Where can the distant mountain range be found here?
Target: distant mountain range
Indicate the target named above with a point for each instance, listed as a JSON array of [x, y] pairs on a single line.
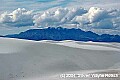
[[59, 34]]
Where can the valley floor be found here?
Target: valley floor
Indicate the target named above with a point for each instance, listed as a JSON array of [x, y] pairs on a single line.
[[47, 60]]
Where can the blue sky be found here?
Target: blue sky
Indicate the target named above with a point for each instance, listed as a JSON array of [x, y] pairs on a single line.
[[42, 5], [9, 5]]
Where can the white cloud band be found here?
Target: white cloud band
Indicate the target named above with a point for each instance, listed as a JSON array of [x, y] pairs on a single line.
[[94, 18]]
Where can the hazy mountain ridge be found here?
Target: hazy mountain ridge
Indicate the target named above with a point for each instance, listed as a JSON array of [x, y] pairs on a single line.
[[59, 34]]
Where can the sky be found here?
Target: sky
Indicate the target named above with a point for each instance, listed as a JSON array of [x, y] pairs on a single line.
[[9, 5], [20, 15]]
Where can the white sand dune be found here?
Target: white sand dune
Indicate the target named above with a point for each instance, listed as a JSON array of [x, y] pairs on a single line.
[[46, 60]]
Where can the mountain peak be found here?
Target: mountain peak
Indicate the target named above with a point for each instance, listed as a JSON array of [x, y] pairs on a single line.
[[60, 33]]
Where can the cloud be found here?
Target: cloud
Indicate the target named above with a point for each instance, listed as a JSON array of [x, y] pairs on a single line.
[[93, 19], [19, 17], [94, 14], [57, 17]]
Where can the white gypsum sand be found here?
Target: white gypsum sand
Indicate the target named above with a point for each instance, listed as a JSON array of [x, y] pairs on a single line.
[[46, 60]]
